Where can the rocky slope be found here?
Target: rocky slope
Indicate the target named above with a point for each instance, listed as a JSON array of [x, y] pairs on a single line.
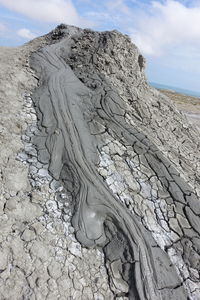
[[100, 197], [189, 105]]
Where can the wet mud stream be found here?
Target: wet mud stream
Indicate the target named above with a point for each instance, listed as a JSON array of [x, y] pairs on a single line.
[[82, 116]]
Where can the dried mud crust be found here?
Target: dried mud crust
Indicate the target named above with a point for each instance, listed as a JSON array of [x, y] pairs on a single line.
[[128, 160], [39, 255], [189, 105]]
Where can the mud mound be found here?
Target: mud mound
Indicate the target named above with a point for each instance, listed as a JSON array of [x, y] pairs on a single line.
[[113, 175]]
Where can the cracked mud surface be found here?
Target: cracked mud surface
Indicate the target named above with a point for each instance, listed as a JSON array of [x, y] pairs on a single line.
[[187, 104], [39, 255], [103, 199]]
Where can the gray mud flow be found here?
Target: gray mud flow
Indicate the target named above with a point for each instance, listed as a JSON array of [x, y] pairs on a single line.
[[103, 134]]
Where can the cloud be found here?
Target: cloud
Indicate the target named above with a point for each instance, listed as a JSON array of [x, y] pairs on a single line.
[[117, 4], [167, 26], [50, 11], [167, 32], [3, 28], [156, 27], [26, 33]]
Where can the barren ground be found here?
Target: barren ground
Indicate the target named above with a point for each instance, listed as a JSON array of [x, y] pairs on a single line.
[[187, 104], [40, 258]]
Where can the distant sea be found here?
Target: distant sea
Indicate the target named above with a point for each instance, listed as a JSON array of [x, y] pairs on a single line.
[[175, 89]]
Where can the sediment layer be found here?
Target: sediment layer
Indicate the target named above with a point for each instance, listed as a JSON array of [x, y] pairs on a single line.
[[127, 159]]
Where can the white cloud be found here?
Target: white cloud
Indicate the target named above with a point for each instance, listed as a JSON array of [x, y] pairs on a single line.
[[157, 27], [51, 11], [166, 31], [117, 4], [3, 28], [26, 33], [166, 26]]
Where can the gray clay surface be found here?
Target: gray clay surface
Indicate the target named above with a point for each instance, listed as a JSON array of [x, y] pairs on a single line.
[[99, 176], [122, 153]]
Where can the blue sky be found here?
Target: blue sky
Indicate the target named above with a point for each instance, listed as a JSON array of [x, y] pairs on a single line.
[[167, 32]]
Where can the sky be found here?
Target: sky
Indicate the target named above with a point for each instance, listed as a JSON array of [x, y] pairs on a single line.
[[167, 32]]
